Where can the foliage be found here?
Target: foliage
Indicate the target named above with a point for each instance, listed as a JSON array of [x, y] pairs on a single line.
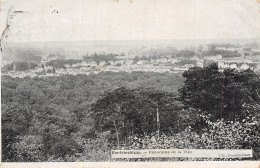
[[118, 64], [221, 95], [97, 149], [83, 117], [255, 53], [218, 135], [15, 121], [29, 148], [136, 59], [224, 53], [100, 57], [20, 66], [54, 109], [126, 111], [224, 45], [60, 63], [183, 62], [185, 53]]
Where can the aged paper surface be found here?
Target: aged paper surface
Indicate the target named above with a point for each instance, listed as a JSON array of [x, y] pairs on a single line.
[[128, 83]]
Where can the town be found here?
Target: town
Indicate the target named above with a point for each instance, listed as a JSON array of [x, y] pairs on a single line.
[[167, 59]]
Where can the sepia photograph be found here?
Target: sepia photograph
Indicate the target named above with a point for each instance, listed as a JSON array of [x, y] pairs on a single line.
[[130, 81]]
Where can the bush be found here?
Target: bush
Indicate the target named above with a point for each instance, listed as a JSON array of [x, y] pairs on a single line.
[[218, 135], [29, 149], [95, 149]]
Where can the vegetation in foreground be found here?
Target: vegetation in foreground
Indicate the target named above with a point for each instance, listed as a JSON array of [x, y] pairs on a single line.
[[83, 117]]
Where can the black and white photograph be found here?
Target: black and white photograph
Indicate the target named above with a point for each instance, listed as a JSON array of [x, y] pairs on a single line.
[[130, 81]]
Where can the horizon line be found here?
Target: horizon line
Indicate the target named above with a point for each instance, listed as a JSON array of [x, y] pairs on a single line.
[[247, 38]]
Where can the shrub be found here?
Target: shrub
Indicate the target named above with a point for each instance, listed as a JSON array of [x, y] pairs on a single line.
[[29, 149], [218, 135]]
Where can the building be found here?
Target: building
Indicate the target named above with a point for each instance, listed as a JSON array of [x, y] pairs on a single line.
[[233, 66], [244, 67]]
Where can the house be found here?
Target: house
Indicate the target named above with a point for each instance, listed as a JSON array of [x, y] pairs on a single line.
[[36, 70], [162, 60], [222, 65], [129, 61], [219, 57], [233, 66], [102, 64], [119, 62], [214, 58], [179, 68], [244, 66], [48, 68], [84, 69], [114, 69], [200, 63], [194, 58], [111, 62], [91, 63], [76, 65], [238, 60], [105, 68], [172, 60], [153, 61], [140, 62], [67, 65], [83, 63], [188, 65]]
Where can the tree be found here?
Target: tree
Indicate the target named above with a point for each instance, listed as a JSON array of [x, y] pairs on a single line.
[[161, 102], [67, 108], [101, 57], [20, 66], [185, 53], [109, 113], [221, 95], [135, 112], [16, 120], [136, 59]]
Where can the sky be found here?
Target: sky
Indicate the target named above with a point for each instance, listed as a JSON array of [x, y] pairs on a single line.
[[81, 20]]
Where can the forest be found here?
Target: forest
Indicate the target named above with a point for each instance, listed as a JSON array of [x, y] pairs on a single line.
[[83, 117], [20, 66]]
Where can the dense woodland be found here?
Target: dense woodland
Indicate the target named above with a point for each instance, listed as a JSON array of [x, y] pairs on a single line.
[[83, 117], [20, 66], [100, 57]]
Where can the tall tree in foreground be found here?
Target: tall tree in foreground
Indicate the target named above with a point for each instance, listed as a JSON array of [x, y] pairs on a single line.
[[220, 94], [126, 112], [109, 111]]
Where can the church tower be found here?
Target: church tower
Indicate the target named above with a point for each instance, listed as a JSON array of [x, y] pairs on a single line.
[[14, 66]]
